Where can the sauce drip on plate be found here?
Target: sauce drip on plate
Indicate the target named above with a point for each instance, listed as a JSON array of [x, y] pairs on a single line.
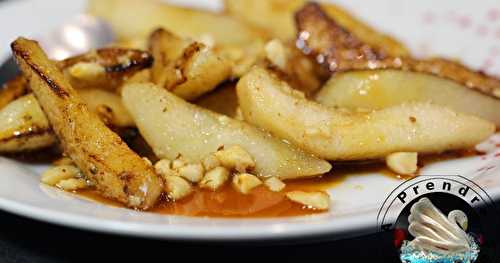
[[261, 202]]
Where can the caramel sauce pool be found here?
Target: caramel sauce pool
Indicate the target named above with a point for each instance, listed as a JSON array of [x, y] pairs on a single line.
[[261, 202], [227, 202]]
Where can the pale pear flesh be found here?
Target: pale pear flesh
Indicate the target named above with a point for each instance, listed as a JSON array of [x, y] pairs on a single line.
[[174, 127], [335, 134], [378, 89]]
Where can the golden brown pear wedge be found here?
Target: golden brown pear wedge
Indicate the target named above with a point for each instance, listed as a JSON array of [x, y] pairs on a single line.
[[103, 157], [105, 68], [378, 89], [24, 127], [13, 89], [276, 16], [339, 50], [334, 134], [131, 19], [188, 69], [173, 127], [108, 106]]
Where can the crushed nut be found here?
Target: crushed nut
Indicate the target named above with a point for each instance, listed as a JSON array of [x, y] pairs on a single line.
[[210, 162], [274, 184], [404, 163], [235, 157], [215, 178], [134, 200], [86, 70], [312, 200], [164, 167], [244, 182], [192, 172], [72, 184], [177, 187], [276, 53], [178, 163], [58, 173]]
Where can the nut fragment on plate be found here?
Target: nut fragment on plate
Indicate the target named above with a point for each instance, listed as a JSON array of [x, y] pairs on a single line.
[[210, 162], [164, 167], [245, 182], [235, 157], [215, 178], [86, 70], [276, 53], [312, 200], [72, 184], [177, 187], [55, 174], [274, 184], [178, 163], [404, 163], [192, 172]]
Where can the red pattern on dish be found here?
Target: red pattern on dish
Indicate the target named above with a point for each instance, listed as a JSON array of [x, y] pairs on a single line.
[[485, 26]]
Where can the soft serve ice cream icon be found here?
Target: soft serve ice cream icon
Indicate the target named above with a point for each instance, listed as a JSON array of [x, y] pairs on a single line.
[[438, 238]]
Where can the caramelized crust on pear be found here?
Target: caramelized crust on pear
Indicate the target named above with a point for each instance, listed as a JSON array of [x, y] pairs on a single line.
[[101, 155], [339, 50]]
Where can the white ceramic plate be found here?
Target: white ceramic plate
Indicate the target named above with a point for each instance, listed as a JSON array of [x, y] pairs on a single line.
[[459, 29]]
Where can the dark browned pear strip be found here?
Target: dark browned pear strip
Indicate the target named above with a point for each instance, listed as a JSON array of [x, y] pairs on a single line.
[[103, 157], [339, 50]]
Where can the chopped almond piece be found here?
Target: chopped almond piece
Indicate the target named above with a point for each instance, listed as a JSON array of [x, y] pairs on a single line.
[[192, 172], [58, 173], [274, 184], [404, 163], [72, 184], [177, 187], [86, 70], [164, 167], [313, 200], [215, 178], [235, 157], [210, 162], [245, 182], [276, 53], [178, 163]]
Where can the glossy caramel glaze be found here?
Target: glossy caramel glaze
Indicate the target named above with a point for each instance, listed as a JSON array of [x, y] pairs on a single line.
[[261, 202]]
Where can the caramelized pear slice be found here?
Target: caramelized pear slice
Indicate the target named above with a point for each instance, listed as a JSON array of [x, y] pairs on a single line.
[[276, 16], [339, 50], [13, 89], [101, 155], [24, 127], [335, 134], [378, 89], [188, 69], [132, 19], [174, 127]]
